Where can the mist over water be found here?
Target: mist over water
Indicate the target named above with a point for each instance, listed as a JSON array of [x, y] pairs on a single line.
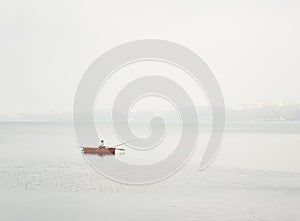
[[43, 160], [253, 50]]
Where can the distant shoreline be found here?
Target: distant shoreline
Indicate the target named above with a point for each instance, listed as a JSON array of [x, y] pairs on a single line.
[[248, 127]]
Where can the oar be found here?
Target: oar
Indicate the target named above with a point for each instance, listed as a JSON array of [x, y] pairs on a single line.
[[117, 145], [124, 144]]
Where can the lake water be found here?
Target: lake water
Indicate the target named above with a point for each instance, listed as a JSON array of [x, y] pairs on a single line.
[[256, 176]]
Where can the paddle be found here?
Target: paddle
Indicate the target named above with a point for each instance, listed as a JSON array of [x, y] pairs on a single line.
[[124, 144], [118, 145]]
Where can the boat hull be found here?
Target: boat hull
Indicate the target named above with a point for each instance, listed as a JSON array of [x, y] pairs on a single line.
[[99, 151]]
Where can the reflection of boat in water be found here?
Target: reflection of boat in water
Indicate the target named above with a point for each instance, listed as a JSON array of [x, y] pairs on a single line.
[[100, 151]]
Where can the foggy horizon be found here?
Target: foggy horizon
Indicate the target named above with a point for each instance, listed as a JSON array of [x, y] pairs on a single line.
[[252, 48], [149, 110]]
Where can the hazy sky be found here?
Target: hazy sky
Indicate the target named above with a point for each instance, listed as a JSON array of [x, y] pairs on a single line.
[[45, 46]]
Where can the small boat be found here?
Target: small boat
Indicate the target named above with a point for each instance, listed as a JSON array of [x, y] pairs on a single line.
[[100, 151]]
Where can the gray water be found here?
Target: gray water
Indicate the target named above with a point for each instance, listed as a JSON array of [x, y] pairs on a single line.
[[256, 176]]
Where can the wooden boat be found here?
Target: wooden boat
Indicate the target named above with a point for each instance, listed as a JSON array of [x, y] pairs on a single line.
[[100, 151]]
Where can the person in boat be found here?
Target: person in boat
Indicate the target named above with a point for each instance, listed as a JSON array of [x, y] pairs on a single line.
[[101, 144]]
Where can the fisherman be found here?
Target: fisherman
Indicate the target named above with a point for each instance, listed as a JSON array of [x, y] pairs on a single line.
[[101, 144]]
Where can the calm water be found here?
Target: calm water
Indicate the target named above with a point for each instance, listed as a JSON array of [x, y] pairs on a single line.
[[256, 176]]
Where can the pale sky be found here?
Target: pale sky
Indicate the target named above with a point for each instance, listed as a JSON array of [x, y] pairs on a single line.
[[45, 46]]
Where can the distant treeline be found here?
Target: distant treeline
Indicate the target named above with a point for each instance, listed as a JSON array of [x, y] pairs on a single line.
[[255, 113], [265, 113]]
